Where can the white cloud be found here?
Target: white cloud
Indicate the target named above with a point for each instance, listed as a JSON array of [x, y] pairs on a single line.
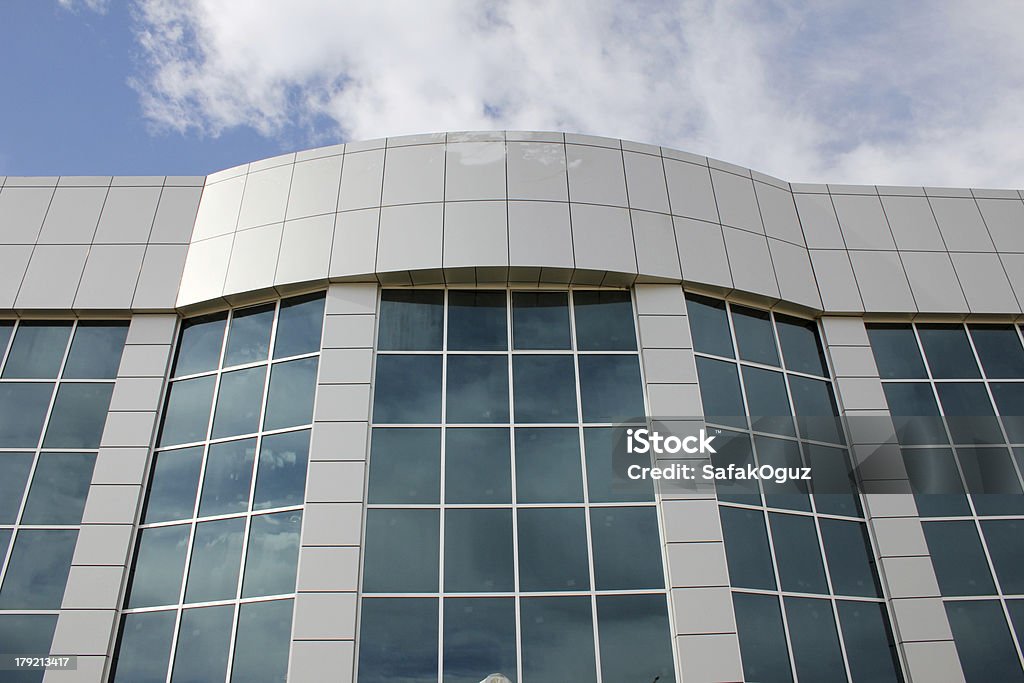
[[840, 91], [98, 6]]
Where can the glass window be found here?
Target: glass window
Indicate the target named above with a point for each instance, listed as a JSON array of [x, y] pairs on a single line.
[[187, 415], [851, 563], [203, 640], [610, 389], [754, 335], [762, 638], [96, 351], [411, 320], [249, 337], [935, 480], [733, 448], [200, 344], [790, 494], [263, 641], [25, 634], [173, 484], [868, 640], [1005, 540], [604, 321], [797, 553], [477, 466], [768, 401], [552, 550], [558, 640], [14, 471], [896, 352], [948, 351], [405, 465], [159, 566], [6, 327], [401, 551], [548, 465], [22, 411], [915, 414], [816, 409], [635, 642], [969, 413], [479, 639], [239, 400], [1010, 402], [958, 558], [832, 480], [272, 555], [476, 321], [983, 641], [540, 320], [812, 632], [603, 445], [478, 550], [407, 389], [801, 348], [37, 572], [78, 416], [1000, 351], [709, 326], [627, 548], [281, 474], [59, 487], [720, 392], [227, 478], [216, 556], [37, 350], [477, 389], [144, 648], [5, 543], [291, 393], [746, 548], [398, 640], [299, 326], [992, 480], [544, 388]]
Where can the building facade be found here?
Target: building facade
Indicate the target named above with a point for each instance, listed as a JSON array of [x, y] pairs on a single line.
[[350, 414]]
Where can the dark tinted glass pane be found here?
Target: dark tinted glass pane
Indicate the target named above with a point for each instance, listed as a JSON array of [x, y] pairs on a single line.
[[1010, 403], [5, 542], [733, 448], [26, 634], [548, 466], [477, 389], [762, 638], [476, 321], [969, 413], [411, 320], [791, 494], [896, 352], [159, 566], [604, 321], [203, 640], [78, 416], [610, 389], [262, 643], [540, 320], [812, 631], [1016, 610], [38, 569], [479, 639], [299, 325], [754, 335], [187, 415], [1000, 351], [958, 558], [768, 401], [405, 465], [601, 445], [545, 388], [227, 478], [290, 398], [22, 411], [200, 344], [281, 477], [6, 327], [815, 410], [407, 390], [915, 414], [627, 548], [216, 556], [14, 471], [59, 487], [37, 350], [709, 326], [746, 548], [553, 550], [477, 466], [249, 336], [801, 348], [272, 555], [1005, 540], [992, 480], [868, 640], [851, 562], [935, 480], [398, 640], [401, 551], [832, 480], [172, 487], [478, 550], [558, 640], [239, 401], [634, 635], [948, 351], [145, 648], [96, 351], [797, 553], [720, 392], [983, 641]]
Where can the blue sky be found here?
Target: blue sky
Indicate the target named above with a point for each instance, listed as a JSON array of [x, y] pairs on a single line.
[[821, 90]]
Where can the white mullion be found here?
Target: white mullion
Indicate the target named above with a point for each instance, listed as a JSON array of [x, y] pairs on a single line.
[[441, 499], [516, 588]]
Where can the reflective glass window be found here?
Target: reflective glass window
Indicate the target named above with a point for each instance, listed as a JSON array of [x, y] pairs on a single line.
[[915, 414], [477, 389], [37, 572], [6, 327], [272, 554], [553, 549], [200, 344], [14, 471], [754, 336], [203, 640], [187, 415], [791, 494], [299, 326], [544, 389], [768, 401], [747, 550], [405, 465], [479, 638], [558, 640], [227, 478], [249, 336], [868, 642], [816, 409], [983, 641], [851, 563], [627, 548], [1009, 399], [720, 392], [604, 321], [540, 320], [215, 560], [935, 480], [59, 487], [291, 393], [401, 551], [733, 448], [969, 412], [992, 480], [5, 542], [239, 400], [812, 633], [478, 466], [407, 389], [478, 550], [548, 465], [832, 481], [262, 642], [709, 326], [411, 320], [476, 321], [762, 638], [159, 566], [22, 411], [37, 350], [78, 415], [610, 388], [801, 348], [1000, 350], [398, 640], [96, 351], [144, 648], [173, 485], [281, 473], [958, 558], [797, 553], [1005, 541], [25, 634], [601, 445], [948, 351], [896, 352], [635, 643]]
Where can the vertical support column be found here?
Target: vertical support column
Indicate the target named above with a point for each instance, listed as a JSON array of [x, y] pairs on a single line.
[[324, 629], [922, 628], [88, 617], [703, 623]]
